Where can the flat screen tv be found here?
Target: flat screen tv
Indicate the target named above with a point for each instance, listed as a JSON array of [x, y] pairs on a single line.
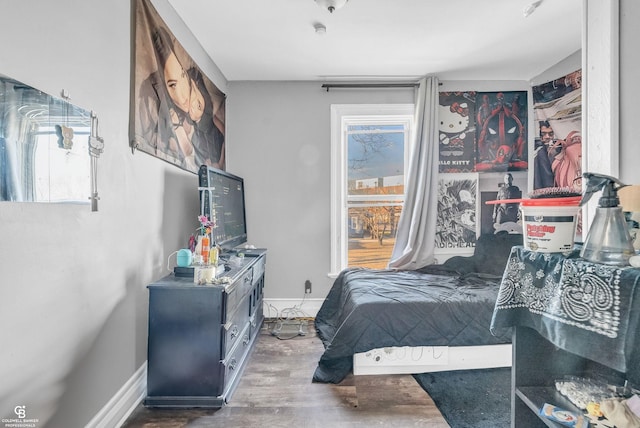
[[222, 200]]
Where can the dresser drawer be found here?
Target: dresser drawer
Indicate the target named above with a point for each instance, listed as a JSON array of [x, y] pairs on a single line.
[[235, 359], [232, 330], [258, 269], [256, 320], [235, 294]]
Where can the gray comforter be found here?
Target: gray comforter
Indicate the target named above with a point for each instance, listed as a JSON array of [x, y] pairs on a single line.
[[367, 309]]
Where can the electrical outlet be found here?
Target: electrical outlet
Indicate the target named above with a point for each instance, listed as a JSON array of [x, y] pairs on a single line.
[[307, 287]]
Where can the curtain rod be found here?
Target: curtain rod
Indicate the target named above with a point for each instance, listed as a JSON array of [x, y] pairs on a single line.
[[328, 86], [368, 85]]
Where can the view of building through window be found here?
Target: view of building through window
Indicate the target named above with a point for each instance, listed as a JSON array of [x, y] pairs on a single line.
[[376, 158]]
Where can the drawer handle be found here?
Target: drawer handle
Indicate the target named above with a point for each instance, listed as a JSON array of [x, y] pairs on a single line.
[[234, 331], [232, 364], [245, 340]]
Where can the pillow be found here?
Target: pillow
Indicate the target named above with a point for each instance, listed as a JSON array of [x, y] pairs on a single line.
[[492, 252], [489, 257]]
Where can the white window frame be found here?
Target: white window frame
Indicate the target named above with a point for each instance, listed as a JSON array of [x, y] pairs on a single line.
[[341, 114]]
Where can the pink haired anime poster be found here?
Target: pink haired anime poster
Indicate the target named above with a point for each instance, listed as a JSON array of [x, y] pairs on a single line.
[[456, 131], [557, 106], [501, 131]]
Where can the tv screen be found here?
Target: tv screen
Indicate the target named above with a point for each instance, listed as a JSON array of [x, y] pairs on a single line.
[[222, 200]]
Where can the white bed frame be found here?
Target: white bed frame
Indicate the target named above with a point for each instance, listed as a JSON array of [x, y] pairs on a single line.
[[424, 359]]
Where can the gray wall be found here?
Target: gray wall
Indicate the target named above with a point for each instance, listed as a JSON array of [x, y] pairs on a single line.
[[629, 92], [74, 302], [282, 132], [72, 284]]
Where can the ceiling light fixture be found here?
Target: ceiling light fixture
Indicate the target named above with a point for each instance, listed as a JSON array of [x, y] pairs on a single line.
[[531, 8], [331, 5]]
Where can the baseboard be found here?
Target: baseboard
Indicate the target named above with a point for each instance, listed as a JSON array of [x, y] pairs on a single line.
[[123, 403], [302, 307]]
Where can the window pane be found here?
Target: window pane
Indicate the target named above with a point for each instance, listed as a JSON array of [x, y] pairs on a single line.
[[368, 155], [375, 159], [372, 232]]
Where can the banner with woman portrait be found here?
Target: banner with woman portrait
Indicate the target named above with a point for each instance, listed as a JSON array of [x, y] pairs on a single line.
[[177, 113]]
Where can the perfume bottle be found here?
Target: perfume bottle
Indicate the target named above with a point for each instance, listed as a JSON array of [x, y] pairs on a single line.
[[205, 250]]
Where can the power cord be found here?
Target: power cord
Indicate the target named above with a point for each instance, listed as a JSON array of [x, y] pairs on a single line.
[[288, 316]]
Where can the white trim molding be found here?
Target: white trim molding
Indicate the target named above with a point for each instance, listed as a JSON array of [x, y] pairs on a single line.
[[123, 403], [600, 92]]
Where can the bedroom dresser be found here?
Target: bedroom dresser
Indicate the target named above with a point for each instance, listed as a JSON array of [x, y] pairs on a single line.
[[201, 336]]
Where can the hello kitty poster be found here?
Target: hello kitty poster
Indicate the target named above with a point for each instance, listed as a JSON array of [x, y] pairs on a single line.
[[456, 131]]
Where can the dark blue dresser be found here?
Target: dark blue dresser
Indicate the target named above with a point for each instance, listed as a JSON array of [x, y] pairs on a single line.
[[200, 336]]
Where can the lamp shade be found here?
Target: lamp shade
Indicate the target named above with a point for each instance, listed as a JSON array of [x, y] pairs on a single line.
[[630, 198]]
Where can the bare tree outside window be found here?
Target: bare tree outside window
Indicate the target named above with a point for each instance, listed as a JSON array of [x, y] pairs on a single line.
[[375, 171]]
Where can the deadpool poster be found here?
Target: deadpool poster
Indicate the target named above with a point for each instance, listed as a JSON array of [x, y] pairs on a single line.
[[501, 131]]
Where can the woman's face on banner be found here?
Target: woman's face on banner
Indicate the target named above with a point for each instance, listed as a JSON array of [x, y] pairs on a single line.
[[177, 81]]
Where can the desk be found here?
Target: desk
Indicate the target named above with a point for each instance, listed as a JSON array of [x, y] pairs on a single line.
[[568, 317]]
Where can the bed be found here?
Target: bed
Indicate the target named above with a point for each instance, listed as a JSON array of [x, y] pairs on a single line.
[[448, 305]]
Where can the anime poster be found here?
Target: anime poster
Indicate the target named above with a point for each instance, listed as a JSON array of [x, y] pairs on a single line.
[[456, 225], [177, 113], [456, 131], [501, 131], [557, 107]]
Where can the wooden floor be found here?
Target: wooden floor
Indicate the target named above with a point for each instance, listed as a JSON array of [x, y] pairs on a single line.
[[276, 391]]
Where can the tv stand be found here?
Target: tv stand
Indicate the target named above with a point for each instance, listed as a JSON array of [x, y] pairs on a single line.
[[201, 336]]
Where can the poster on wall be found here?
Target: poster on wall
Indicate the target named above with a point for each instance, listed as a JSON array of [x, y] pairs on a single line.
[[456, 131], [557, 107], [177, 113], [501, 131], [486, 212], [456, 223], [499, 217]]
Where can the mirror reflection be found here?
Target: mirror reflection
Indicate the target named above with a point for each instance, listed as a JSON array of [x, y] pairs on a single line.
[[44, 153]]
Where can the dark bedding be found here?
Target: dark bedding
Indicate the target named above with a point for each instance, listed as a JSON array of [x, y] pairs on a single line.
[[439, 305]]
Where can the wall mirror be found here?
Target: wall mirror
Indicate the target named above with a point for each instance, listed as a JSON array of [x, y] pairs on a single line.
[[45, 142]]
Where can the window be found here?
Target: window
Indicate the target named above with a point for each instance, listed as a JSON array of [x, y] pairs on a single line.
[[369, 154], [61, 175]]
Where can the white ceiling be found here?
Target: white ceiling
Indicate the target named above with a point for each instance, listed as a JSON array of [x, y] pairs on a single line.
[[384, 39]]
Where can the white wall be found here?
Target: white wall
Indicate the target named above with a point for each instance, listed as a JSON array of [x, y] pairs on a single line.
[[73, 282], [568, 65]]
